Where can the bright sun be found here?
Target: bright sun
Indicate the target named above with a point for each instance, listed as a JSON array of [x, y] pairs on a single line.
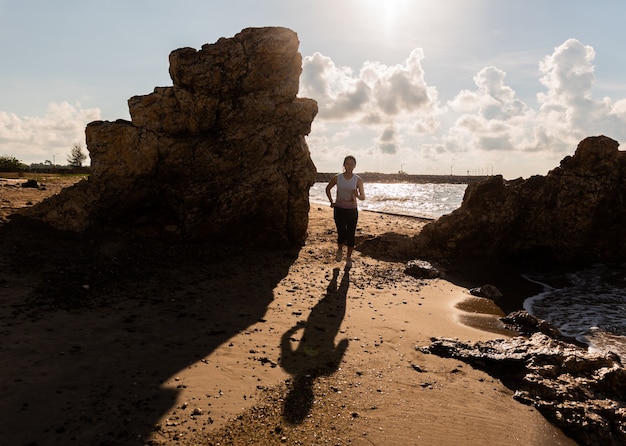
[[387, 8], [388, 12]]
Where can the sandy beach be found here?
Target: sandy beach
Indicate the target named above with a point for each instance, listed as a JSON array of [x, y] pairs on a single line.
[[110, 341]]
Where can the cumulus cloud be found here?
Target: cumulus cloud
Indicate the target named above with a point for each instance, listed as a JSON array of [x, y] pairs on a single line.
[[339, 94], [37, 139], [488, 121], [494, 119], [491, 116], [387, 141], [381, 97], [568, 73], [378, 90]]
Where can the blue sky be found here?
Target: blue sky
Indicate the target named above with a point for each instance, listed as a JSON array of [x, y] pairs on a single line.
[[461, 86]]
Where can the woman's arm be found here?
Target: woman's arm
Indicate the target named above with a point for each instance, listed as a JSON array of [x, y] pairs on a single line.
[[360, 191], [331, 184]]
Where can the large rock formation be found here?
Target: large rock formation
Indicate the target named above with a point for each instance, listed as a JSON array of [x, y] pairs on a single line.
[[575, 214], [221, 153]]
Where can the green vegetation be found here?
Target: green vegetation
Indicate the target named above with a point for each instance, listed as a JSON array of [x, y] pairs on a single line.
[[11, 167], [11, 164], [76, 157]]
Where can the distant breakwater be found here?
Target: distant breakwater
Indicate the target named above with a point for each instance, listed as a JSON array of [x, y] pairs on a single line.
[[373, 177]]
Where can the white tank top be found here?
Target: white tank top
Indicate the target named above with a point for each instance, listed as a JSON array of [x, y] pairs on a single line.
[[345, 188]]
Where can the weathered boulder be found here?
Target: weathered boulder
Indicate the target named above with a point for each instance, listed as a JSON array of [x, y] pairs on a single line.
[[581, 392], [574, 214], [220, 154]]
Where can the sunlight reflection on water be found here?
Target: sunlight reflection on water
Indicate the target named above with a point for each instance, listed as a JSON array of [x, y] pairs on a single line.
[[417, 200]]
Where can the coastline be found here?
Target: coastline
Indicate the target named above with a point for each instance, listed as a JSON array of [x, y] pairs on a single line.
[[249, 348]]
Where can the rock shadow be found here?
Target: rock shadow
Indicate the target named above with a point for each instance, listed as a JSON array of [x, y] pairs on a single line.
[[91, 327], [316, 353], [388, 247], [506, 275]]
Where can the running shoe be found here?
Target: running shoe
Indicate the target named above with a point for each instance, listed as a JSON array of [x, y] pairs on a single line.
[[339, 255]]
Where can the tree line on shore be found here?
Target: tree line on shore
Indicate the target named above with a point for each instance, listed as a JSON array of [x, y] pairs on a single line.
[[75, 159]]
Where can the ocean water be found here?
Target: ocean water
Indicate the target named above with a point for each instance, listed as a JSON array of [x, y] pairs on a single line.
[[412, 199], [589, 304]]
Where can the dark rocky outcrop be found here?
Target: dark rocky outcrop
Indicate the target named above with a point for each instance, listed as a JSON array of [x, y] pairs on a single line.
[[581, 392], [220, 154], [575, 214]]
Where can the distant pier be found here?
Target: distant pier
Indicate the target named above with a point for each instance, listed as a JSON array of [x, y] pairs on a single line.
[[372, 177]]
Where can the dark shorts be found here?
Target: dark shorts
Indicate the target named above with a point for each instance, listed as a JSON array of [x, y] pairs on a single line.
[[346, 220]]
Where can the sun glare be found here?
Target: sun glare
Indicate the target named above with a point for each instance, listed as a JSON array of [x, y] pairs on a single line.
[[387, 10], [389, 13]]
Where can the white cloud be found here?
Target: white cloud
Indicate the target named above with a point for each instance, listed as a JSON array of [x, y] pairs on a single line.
[[37, 139], [378, 95], [387, 141], [339, 95], [390, 101], [568, 73], [488, 124]]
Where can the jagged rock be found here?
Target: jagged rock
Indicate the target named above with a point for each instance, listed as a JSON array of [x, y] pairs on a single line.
[[220, 154], [421, 269], [581, 392], [487, 290], [525, 323], [574, 214]]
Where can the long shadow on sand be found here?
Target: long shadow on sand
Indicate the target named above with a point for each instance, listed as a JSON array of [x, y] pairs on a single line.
[[91, 328], [316, 354]]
